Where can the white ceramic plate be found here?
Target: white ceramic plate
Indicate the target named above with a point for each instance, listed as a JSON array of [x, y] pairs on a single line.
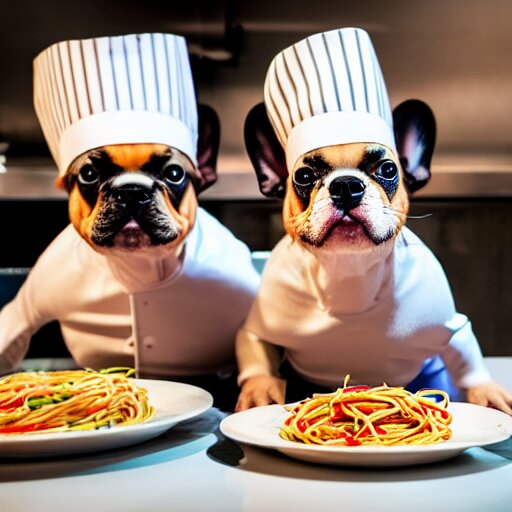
[[472, 426], [173, 402]]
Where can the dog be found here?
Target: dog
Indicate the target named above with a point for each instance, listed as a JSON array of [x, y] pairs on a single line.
[[140, 197], [350, 290], [142, 276]]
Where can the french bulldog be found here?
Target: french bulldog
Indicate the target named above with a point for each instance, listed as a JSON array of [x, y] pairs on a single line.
[[350, 290], [139, 197], [137, 267]]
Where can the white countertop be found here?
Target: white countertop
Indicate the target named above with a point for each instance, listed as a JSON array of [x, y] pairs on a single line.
[[193, 468]]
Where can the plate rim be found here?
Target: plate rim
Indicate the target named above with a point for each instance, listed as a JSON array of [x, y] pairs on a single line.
[[284, 445]]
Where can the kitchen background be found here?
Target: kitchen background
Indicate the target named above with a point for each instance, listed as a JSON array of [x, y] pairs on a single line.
[[454, 54]]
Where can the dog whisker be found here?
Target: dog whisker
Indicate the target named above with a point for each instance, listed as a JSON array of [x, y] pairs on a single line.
[[424, 216], [392, 211], [402, 215]]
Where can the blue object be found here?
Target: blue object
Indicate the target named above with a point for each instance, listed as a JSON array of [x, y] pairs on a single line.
[[11, 278], [434, 375]]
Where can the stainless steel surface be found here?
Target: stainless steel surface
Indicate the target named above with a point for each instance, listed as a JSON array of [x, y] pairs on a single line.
[[29, 183], [458, 178]]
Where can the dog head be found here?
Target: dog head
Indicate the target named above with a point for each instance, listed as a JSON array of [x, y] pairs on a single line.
[[350, 196], [140, 197]]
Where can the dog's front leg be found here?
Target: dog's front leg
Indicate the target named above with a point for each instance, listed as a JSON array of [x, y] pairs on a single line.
[[491, 394], [258, 364]]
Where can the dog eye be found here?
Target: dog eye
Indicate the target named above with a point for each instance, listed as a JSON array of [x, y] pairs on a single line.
[[174, 173], [387, 170], [88, 175], [304, 176]]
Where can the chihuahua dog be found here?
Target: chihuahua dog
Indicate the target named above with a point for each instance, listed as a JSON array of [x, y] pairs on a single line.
[[350, 290], [138, 266]]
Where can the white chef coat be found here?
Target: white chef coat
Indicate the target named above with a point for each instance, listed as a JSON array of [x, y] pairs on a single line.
[[182, 325], [394, 316]]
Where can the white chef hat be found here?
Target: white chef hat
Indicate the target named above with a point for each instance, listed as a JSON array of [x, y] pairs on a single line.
[[328, 89], [115, 90]]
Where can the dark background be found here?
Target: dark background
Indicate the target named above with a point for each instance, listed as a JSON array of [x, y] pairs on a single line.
[[453, 54], [471, 237]]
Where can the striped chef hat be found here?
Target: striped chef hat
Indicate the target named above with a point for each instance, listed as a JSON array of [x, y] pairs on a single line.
[[328, 89], [115, 90]]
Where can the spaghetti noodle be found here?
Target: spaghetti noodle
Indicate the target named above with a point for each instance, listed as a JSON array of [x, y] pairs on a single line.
[[58, 401], [358, 415]]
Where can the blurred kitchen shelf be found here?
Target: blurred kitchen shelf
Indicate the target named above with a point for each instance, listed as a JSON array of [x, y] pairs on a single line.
[[452, 177]]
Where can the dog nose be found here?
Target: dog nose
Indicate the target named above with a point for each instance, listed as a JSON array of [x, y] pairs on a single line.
[[346, 191], [133, 197]]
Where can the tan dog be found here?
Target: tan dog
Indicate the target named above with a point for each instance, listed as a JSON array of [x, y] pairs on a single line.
[[132, 197], [350, 290], [346, 194], [138, 266], [142, 197], [142, 275]]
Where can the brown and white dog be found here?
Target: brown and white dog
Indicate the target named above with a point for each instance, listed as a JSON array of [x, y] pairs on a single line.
[[350, 290], [138, 266], [140, 197]]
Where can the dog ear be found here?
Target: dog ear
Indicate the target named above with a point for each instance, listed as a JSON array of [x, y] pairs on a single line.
[[415, 135], [266, 153], [208, 141]]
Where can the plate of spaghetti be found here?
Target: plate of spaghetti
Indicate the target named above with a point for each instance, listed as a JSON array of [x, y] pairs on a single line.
[[81, 411], [370, 426]]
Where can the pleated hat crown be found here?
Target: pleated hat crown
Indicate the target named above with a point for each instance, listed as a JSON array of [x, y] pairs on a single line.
[[115, 90], [328, 89]]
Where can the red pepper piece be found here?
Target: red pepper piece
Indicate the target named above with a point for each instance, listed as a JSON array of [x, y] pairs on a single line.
[[356, 388], [10, 406], [351, 441], [21, 429], [301, 425]]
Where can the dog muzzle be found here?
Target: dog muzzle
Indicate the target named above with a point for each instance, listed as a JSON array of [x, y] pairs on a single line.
[[131, 193], [346, 192], [134, 214]]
